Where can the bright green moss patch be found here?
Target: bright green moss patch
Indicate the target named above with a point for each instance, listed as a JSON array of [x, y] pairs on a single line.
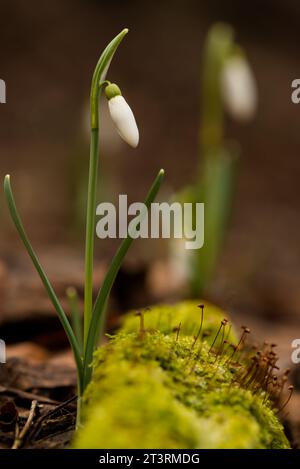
[[164, 390], [137, 413], [166, 317]]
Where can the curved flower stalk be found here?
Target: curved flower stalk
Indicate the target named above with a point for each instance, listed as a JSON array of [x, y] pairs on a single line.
[[228, 84], [83, 343], [96, 88]]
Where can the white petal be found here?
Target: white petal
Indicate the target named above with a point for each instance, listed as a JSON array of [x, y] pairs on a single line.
[[239, 89], [124, 120]]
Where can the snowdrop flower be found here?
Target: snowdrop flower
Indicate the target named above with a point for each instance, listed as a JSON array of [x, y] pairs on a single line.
[[122, 116], [239, 88]]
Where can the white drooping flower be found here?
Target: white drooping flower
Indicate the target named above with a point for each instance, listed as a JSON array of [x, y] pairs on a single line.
[[238, 88], [122, 115]]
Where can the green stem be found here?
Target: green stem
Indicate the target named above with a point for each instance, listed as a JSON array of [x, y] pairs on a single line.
[[78, 413], [214, 169], [96, 87], [90, 225], [98, 317], [217, 192], [218, 46], [61, 314], [75, 315]]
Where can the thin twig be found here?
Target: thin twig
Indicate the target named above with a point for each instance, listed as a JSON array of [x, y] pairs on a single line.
[[27, 395], [36, 430], [20, 436]]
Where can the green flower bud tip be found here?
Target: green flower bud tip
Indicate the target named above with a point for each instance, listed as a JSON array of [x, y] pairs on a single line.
[[112, 90]]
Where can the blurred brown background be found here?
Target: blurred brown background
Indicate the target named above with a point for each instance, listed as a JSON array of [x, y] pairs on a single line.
[[47, 54]]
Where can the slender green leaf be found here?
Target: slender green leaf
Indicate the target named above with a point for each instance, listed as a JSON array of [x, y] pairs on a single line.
[[216, 191], [61, 314], [73, 300], [98, 317]]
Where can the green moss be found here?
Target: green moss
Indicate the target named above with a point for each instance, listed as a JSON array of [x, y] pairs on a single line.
[[165, 317], [225, 429], [157, 390], [131, 415]]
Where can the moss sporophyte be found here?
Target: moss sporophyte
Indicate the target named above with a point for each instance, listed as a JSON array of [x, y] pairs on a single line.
[[179, 377], [84, 343]]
